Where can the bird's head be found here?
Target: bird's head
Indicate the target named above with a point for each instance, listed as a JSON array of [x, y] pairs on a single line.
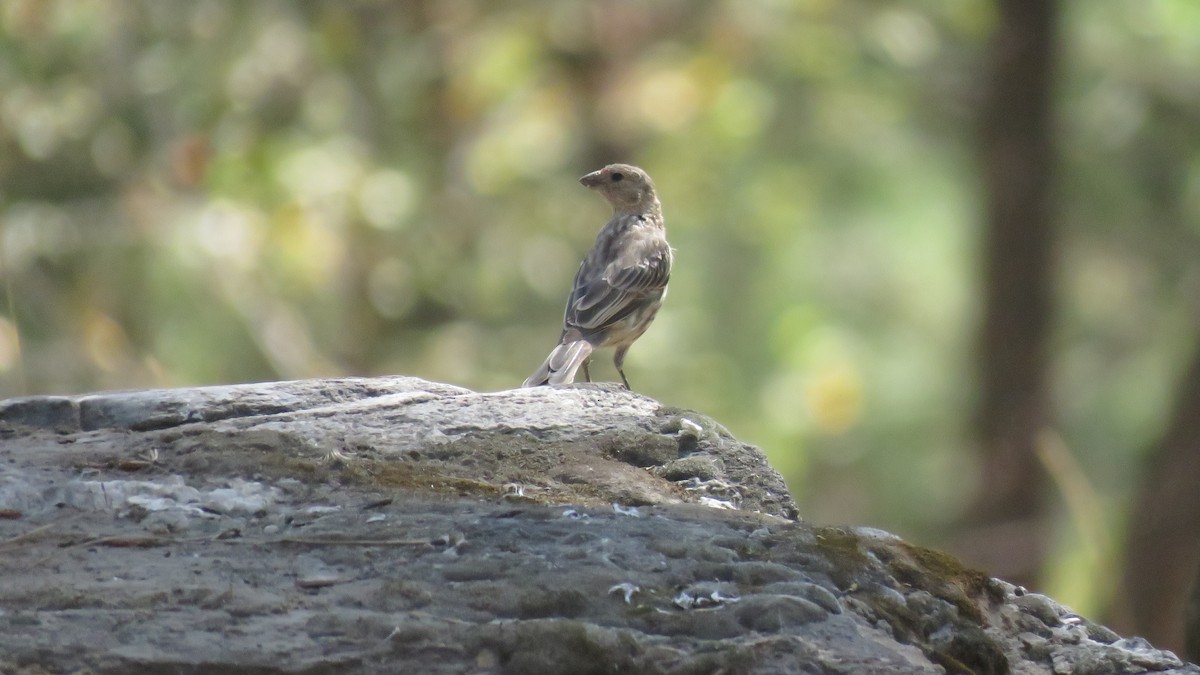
[[626, 187]]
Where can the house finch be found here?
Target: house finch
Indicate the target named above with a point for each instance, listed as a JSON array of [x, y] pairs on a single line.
[[621, 283]]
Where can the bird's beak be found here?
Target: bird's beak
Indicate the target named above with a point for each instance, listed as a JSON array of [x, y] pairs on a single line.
[[592, 179]]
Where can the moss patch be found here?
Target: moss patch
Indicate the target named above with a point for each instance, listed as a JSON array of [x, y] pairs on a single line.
[[843, 550], [943, 576]]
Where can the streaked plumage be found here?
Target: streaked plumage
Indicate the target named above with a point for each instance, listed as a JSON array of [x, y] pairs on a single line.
[[621, 283]]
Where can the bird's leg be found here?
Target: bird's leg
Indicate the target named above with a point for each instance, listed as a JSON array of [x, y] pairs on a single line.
[[587, 374], [619, 362]]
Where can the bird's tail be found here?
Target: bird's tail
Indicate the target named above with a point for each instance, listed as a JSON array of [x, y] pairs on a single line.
[[560, 366]]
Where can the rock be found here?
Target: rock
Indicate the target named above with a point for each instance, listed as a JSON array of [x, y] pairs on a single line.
[[396, 525]]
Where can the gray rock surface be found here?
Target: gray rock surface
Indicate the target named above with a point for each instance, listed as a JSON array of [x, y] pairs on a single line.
[[397, 525]]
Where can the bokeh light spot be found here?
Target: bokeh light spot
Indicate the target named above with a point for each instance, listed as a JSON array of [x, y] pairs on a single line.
[[387, 198]]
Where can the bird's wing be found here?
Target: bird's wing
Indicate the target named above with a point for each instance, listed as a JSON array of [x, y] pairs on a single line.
[[648, 268], [599, 300]]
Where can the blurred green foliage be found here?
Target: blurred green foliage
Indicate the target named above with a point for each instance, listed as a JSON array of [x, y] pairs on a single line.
[[215, 191]]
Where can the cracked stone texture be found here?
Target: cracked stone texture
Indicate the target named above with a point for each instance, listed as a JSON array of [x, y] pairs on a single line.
[[397, 525]]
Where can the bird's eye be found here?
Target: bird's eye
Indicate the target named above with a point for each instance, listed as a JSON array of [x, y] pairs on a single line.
[[618, 177]]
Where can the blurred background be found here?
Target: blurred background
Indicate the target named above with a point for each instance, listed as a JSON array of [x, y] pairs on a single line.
[[941, 260]]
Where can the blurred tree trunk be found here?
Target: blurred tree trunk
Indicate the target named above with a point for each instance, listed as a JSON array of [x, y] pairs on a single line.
[[1003, 532], [1162, 550]]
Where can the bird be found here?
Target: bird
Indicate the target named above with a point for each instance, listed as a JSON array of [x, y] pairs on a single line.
[[621, 282]]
